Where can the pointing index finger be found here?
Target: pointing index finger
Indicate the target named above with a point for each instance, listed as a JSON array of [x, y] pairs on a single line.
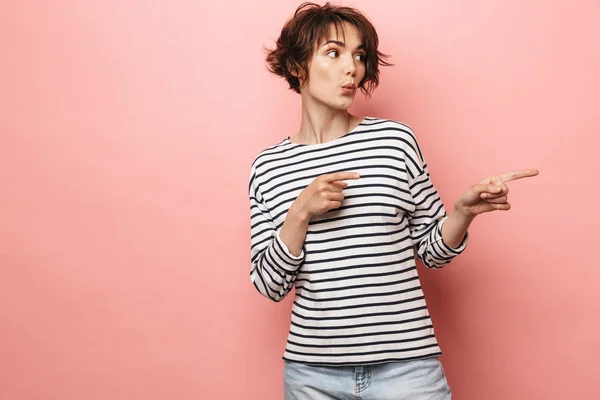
[[525, 173], [340, 176]]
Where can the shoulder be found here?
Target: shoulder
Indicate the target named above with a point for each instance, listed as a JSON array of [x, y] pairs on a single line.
[[401, 131], [269, 157], [386, 123]]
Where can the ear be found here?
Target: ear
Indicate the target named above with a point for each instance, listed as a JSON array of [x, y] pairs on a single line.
[[299, 75], [295, 73]]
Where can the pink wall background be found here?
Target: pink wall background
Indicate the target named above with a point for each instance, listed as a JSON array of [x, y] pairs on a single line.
[[126, 134]]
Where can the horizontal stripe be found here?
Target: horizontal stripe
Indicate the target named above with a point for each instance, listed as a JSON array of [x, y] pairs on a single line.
[[377, 360], [361, 353], [382, 342]]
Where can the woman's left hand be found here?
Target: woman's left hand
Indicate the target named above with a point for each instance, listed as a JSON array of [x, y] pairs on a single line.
[[490, 194]]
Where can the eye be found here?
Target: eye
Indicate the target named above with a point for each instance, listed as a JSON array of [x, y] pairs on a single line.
[[332, 52], [361, 57]]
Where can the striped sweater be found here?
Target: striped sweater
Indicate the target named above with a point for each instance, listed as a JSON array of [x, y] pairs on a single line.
[[358, 299]]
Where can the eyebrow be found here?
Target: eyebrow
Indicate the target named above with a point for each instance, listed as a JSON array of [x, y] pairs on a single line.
[[341, 44]]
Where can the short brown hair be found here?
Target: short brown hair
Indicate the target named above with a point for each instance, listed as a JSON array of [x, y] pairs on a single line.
[[309, 25]]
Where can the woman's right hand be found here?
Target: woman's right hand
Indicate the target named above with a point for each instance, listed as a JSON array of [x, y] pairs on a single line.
[[323, 194]]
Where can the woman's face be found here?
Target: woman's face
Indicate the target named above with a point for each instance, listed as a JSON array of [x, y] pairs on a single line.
[[337, 62]]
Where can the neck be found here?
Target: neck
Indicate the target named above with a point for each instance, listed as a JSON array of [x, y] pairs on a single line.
[[320, 124]]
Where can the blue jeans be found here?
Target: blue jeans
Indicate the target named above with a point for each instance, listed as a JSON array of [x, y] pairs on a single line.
[[411, 380]]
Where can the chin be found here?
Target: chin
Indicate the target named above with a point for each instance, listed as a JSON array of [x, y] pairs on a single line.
[[345, 105], [341, 104]]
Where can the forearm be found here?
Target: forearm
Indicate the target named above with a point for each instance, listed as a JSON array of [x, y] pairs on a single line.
[[455, 228], [276, 261], [293, 231]]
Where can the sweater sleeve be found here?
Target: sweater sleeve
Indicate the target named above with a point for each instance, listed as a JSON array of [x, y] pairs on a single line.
[[273, 268], [429, 213]]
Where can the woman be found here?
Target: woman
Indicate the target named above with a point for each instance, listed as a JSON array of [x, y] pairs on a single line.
[[340, 210]]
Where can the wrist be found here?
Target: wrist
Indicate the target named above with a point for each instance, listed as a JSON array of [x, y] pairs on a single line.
[[463, 213], [298, 214]]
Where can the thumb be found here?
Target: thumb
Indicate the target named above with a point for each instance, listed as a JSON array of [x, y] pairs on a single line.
[[486, 188]]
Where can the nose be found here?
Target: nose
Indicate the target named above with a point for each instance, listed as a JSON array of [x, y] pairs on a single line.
[[350, 67]]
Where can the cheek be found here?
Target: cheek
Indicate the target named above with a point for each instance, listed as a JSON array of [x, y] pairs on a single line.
[[323, 70], [361, 71]]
